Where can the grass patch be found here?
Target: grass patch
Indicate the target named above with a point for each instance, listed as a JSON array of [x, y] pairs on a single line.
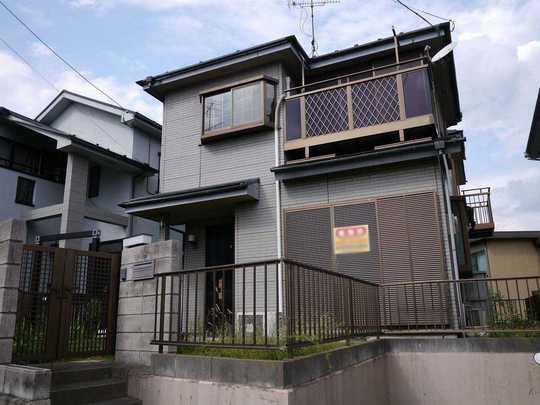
[[255, 354]]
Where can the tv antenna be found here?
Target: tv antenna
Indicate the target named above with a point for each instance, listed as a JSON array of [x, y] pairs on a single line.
[[311, 4]]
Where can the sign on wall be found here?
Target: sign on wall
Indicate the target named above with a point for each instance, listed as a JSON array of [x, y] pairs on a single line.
[[351, 239]]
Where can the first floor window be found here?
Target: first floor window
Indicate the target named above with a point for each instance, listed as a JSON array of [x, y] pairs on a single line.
[[25, 191]]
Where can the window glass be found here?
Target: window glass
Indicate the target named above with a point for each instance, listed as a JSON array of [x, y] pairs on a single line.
[[479, 262], [217, 112], [269, 102], [247, 104], [25, 159], [25, 191]]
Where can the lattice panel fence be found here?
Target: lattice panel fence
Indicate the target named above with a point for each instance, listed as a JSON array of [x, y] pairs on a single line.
[[326, 112], [375, 102]]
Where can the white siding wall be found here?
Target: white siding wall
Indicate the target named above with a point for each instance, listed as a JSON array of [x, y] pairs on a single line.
[[45, 193], [97, 127]]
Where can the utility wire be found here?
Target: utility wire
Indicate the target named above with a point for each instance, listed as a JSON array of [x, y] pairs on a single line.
[[413, 11], [26, 62], [23, 59], [57, 54]]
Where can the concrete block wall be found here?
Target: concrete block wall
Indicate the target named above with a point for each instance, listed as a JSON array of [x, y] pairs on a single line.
[[136, 304], [12, 237]]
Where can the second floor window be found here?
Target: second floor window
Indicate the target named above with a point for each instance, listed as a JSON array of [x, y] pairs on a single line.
[[240, 107]]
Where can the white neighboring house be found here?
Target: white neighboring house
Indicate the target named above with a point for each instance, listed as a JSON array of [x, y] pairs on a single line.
[[67, 170]]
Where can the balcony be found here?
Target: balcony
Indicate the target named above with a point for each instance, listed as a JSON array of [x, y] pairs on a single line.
[[394, 101], [478, 202]]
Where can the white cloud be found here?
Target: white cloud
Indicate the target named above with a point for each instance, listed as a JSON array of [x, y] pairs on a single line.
[[528, 51], [27, 93], [38, 49]]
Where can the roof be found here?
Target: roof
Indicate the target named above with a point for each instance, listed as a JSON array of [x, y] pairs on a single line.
[[511, 235], [192, 203], [71, 141], [65, 98], [533, 144], [289, 51]]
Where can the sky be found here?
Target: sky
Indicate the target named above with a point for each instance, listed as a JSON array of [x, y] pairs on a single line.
[[116, 42]]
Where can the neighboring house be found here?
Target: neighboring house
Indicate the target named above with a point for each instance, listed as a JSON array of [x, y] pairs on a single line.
[[533, 144], [67, 170], [357, 172], [507, 254]]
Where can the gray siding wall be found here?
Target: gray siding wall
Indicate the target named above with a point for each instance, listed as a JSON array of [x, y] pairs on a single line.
[[185, 163]]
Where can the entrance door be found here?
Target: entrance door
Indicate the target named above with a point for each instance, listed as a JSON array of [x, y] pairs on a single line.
[[67, 304], [219, 283]]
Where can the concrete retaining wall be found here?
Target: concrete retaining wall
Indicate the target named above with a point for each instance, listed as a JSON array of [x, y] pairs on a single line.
[[388, 372], [24, 385]]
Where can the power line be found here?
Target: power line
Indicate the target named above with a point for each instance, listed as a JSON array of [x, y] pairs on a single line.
[[413, 11], [27, 63], [58, 55], [89, 115]]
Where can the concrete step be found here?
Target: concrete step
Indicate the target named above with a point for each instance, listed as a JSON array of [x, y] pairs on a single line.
[[119, 401], [88, 392], [66, 376]]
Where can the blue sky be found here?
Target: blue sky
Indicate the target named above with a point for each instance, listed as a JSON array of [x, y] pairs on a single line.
[[116, 42]]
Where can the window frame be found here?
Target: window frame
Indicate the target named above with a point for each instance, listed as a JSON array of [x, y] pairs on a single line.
[[18, 198], [264, 122]]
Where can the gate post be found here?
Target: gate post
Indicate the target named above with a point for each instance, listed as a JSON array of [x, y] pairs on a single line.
[[12, 238]]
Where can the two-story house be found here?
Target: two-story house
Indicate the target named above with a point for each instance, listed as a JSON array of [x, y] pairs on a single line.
[[342, 161], [66, 171]]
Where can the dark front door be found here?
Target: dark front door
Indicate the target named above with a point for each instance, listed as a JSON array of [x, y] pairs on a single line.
[[219, 283]]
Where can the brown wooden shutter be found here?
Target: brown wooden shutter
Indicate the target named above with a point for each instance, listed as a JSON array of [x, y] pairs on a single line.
[[361, 265], [308, 237], [411, 250]]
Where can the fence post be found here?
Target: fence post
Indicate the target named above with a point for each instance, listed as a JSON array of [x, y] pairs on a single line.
[[12, 237], [351, 317]]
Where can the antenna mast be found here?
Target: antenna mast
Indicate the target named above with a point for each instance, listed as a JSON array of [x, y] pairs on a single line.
[[311, 4]]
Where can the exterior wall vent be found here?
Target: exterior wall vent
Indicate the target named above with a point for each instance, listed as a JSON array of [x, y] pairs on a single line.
[[140, 271]]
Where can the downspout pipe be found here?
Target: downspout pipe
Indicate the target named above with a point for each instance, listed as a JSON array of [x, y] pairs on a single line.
[[277, 184], [452, 232]]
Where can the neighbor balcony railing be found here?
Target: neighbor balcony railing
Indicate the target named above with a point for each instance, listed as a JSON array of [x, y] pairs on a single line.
[[381, 100], [282, 304], [478, 201]]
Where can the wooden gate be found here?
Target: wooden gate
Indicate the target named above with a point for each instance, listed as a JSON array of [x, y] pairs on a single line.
[[67, 304]]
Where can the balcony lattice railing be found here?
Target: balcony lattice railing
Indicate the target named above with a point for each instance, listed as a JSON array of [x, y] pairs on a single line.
[[385, 102]]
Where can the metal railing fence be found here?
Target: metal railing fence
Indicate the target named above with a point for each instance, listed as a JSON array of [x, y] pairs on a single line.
[[283, 304]]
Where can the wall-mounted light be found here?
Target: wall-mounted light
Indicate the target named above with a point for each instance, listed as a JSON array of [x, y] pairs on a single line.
[[537, 358]]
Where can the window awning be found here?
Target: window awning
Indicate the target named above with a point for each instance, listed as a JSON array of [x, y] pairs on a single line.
[[186, 205]]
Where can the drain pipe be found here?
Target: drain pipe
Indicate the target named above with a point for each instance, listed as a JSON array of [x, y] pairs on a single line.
[[277, 184], [451, 229]]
